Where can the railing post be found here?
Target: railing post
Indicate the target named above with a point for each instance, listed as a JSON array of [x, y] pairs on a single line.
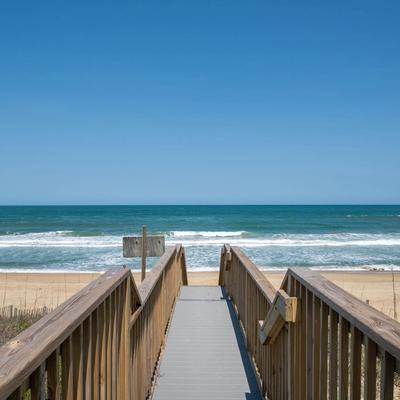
[[290, 347], [126, 345]]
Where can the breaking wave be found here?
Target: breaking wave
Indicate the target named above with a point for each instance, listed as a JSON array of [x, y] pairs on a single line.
[[204, 238]]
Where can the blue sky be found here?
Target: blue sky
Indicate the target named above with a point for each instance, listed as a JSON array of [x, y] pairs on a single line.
[[199, 102]]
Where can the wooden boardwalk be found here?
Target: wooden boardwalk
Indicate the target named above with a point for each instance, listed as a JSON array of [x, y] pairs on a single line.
[[205, 355], [308, 339]]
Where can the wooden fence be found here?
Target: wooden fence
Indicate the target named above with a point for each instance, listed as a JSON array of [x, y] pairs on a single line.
[[335, 346], [10, 312], [102, 343]]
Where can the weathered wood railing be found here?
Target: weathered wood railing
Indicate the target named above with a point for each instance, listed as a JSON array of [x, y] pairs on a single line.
[[253, 296], [149, 322], [341, 347], [337, 348], [102, 343]]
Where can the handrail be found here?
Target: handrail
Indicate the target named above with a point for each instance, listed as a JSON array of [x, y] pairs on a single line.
[[258, 277], [339, 342], [22, 355], [253, 298], [382, 329], [154, 275], [148, 325], [322, 350], [89, 347]]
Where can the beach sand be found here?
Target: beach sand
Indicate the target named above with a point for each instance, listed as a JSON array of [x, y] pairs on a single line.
[[32, 290]]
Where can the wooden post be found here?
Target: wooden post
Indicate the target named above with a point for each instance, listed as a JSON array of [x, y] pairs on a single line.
[[144, 234]]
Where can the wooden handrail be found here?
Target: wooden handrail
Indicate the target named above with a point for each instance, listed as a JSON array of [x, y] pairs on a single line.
[[339, 336], [147, 286], [256, 275], [103, 342], [333, 338], [253, 298], [23, 354], [379, 327], [148, 325]]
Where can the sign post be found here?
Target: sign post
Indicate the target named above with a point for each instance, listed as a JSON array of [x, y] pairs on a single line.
[[143, 246], [144, 237]]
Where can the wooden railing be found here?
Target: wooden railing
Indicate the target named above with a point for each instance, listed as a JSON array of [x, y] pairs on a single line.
[[253, 295], [337, 347], [149, 322], [341, 347], [102, 343]]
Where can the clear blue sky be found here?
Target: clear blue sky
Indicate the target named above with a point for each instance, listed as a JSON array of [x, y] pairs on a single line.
[[199, 102]]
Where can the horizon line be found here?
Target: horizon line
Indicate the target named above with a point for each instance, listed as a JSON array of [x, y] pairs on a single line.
[[194, 204]]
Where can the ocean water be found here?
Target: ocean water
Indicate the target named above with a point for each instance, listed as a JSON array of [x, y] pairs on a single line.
[[89, 238]]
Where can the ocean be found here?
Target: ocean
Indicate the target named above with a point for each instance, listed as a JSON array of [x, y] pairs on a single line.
[[89, 238]]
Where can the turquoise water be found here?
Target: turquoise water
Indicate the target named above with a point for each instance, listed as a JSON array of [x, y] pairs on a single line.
[[89, 238]]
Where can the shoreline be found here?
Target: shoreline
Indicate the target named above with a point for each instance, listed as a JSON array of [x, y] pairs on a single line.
[[193, 270]]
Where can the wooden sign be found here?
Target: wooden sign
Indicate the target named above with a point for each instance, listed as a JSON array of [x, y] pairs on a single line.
[[143, 246], [133, 246]]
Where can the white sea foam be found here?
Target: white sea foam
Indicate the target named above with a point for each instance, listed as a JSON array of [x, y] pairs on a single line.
[[202, 238], [49, 271], [208, 234], [297, 240], [58, 239]]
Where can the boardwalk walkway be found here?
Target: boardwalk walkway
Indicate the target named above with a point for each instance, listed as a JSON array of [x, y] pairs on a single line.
[[205, 356]]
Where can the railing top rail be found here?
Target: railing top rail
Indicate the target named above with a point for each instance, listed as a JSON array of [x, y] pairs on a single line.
[[383, 330], [261, 281], [23, 354], [147, 286]]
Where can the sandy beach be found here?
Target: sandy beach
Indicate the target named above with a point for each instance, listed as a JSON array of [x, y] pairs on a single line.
[[30, 290]]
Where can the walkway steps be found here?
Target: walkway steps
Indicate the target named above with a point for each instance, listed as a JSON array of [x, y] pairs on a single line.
[[205, 356]]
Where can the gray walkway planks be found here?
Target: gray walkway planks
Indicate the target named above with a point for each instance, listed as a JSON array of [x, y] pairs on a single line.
[[205, 357]]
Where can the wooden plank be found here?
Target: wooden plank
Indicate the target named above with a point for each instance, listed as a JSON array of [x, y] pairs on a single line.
[[344, 359], [271, 327], [53, 375], [103, 351], [23, 354], [286, 305], [309, 345], [144, 246], [108, 318], [370, 369], [303, 340], [67, 369], [88, 359], [96, 343], [181, 252], [316, 347], [38, 383], [283, 309], [227, 259], [116, 326], [333, 354], [323, 360], [126, 341], [290, 349], [355, 364], [387, 376], [133, 245], [77, 348]]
